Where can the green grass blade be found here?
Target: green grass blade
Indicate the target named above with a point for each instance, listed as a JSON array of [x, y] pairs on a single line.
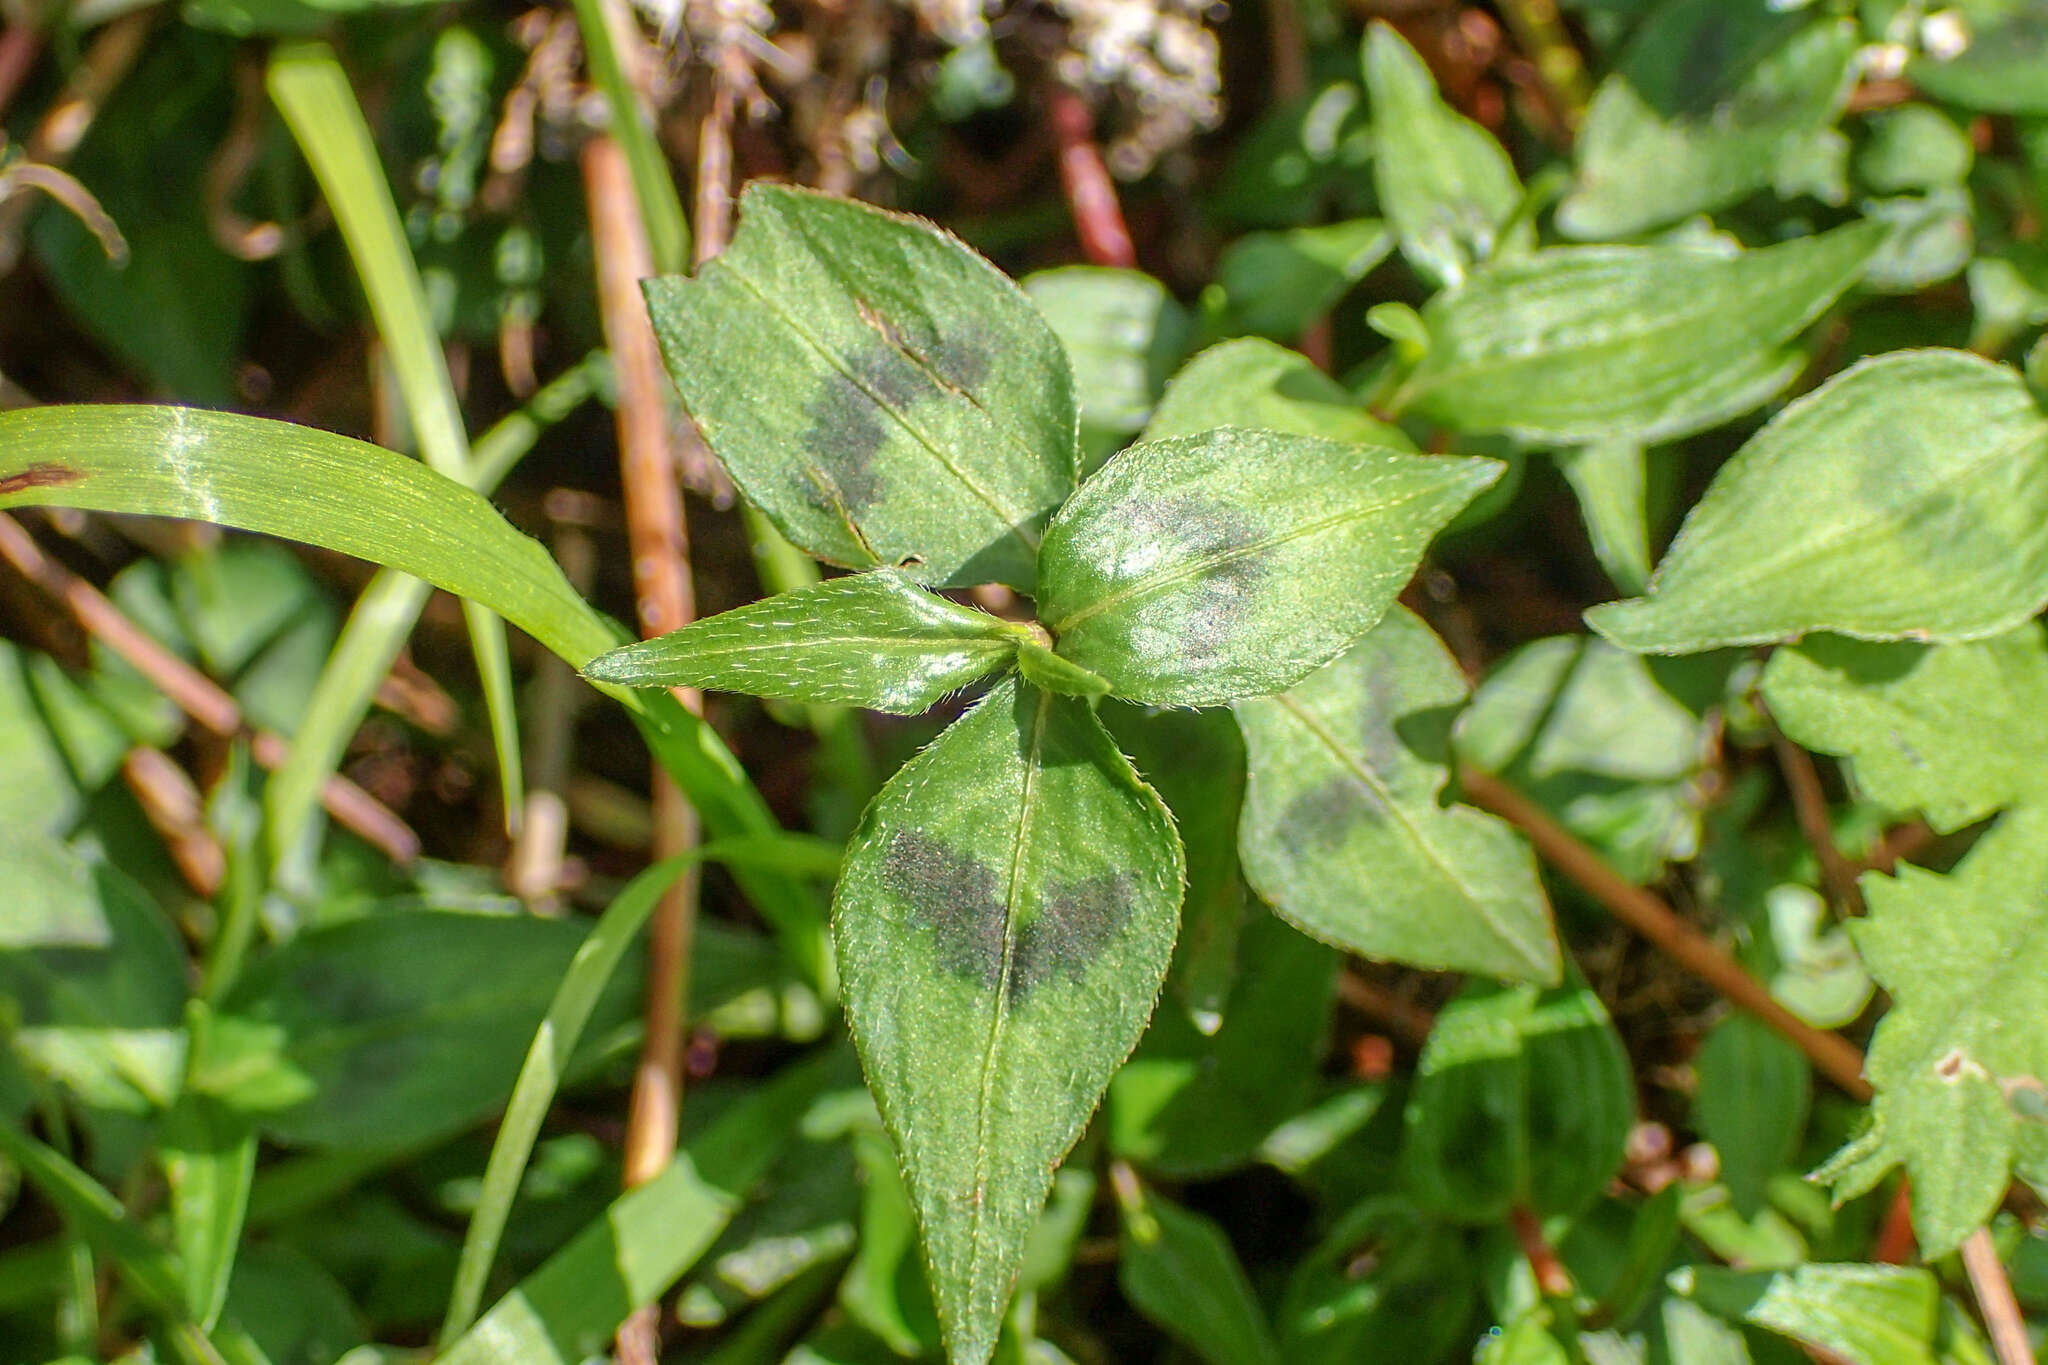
[[98, 1217], [560, 1031], [385, 614], [566, 1311], [312, 91], [345, 495], [661, 209]]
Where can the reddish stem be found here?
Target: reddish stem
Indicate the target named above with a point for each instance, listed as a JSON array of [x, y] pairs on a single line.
[[1098, 217]]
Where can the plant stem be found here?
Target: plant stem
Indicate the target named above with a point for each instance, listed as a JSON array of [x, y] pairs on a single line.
[[1835, 1056], [1098, 217], [1995, 1299], [1810, 805]]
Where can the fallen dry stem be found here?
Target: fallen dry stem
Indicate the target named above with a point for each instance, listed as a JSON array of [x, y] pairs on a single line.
[[1995, 1299]]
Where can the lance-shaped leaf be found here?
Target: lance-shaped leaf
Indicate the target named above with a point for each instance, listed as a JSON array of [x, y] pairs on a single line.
[[874, 639], [1960, 1064], [1640, 343], [1951, 731], [1250, 382], [1344, 832], [1201, 569], [885, 395], [1447, 186], [1004, 921], [1906, 498]]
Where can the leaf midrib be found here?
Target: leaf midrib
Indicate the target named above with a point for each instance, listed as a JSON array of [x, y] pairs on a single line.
[[1201, 564], [1371, 781], [1014, 524], [935, 644]]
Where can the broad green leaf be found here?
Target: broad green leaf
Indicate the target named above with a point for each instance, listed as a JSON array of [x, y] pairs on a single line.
[[1195, 761], [1870, 1314], [1275, 284], [1004, 922], [566, 1311], [397, 1027], [40, 792], [873, 639], [1986, 54], [1914, 147], [1344, 828], [291, 1308], [1751, 1104], [1179, 1270], [1189, 1105], [1960, 1060], [1905, 498], [1201, 569], [1946, 730], [1611, 483], [1445, 185], [92, 977], [345, 495], [1640, 166], [885, 1289], [1626, 343], [1523, 1098], [1586, 731], [1251, 382], [1123, 333], [880, 391], [1386, 1283], [1930, 239], [552, 1053], [209, 1157], [1693, 1336]]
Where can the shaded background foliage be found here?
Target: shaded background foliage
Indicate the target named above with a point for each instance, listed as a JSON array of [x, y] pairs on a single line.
[[1311, 1156]]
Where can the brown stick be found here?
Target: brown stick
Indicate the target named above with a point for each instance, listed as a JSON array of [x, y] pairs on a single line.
[[1810, 805], [1552, 1279], [1410, 1021], [1835, 1056], [1995, 1299], [20, 45], [660, 547], [192, 691], [1098, 217]]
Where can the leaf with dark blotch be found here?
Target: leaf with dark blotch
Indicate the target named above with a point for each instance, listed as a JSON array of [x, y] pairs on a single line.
[[1004, 922], [884, 394], [1344, 830], [1907, 498], [875, 639], [1201, 569]]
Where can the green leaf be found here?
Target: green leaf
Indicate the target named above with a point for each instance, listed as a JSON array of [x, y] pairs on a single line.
[[1914, 147], [1931, 239], [1189, 1105], [1195, 761], [1640, 166], [1751, 1104], [1611, 482], [1386, 1283], [39, 793], [1251, 382], [1626, 343], [566, 1311], [1043, 668], [885, 1289], [1197, 570], [873, 639], [1946, 730], [1905, 498], [292, 1310], [1876, 1314], [880, 391], [2002, 61], [1123, 333], [92, 977], [346, 495], [1589, 733], [397, 1027], [209, 1157], [1003, 923], [1960, 1060], [1275, 284], [1179, 1270], [1446, 186], [552, 1053], [1523, 1098], [1344, 830]]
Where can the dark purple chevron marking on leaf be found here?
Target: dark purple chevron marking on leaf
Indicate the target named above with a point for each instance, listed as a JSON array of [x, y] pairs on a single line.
[[958, 898]]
